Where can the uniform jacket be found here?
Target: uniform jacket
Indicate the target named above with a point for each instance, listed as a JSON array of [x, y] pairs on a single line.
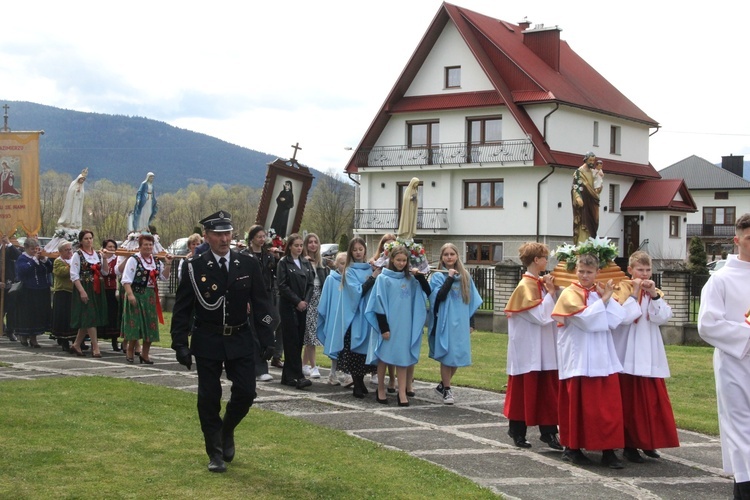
[[221, 301], [295, 283]]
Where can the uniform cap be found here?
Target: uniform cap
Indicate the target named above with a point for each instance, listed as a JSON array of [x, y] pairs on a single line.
[[219, 222]]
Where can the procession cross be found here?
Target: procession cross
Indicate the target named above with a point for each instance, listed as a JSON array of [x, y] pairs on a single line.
[[296, 148], [5, 119]]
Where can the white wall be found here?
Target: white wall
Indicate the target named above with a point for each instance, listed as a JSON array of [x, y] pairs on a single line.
[[449, 50], [572, 130], [740, 199]]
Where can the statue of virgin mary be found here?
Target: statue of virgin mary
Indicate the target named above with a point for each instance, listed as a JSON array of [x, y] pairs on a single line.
[[72, 213]]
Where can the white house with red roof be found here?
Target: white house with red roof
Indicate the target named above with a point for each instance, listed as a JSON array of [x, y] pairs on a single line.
[[493, 118]]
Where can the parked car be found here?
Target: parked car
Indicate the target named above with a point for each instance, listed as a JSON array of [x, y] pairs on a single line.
[[328, 251], [178, 247], [715, 265]]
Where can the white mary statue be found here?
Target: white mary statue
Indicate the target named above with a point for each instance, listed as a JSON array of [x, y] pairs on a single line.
[[72, 213]]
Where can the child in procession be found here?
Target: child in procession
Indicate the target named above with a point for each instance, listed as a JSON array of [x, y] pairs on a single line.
[[454, 299], [531, 397], [647, 412], [397, 311], [590, 406], [329, 304]]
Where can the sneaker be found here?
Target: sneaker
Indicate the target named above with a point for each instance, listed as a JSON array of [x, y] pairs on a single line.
[[333, 379], [374, 379], [447, 396], [439, 389], [314, 372], [306, 370], [266, 377], [347, 381]]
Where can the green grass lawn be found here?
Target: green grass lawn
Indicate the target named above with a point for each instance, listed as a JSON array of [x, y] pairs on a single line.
[[691, 387], [97, 437]]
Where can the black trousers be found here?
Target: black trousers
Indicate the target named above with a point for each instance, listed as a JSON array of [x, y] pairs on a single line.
[[241, 372], [293, 329]]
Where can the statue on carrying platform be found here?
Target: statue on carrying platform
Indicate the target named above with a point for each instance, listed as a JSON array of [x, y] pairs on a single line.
[[588, 181], [145, 205]]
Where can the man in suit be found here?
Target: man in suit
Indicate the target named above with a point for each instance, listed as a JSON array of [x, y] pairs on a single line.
[[220, 289]]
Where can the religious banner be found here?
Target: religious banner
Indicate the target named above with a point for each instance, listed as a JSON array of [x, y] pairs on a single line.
[[287, 184], [19, 182]]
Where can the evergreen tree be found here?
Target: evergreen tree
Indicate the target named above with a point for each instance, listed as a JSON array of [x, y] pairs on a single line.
[[698, 259], [343, 242]]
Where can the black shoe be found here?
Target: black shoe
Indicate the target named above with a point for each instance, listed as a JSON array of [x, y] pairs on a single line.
[[24, 342], [403, 403], [276, 363], [383, 401], [216, 464], [651, 453], [632, 455], [115, 346], [391, 390], [519, 441], [12, 337], [302, 383], [290, 383], [551, 440], [143, 360], [575, 457], [359, 387], [609, 459]]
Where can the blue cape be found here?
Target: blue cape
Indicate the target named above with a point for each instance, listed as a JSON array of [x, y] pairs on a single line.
[[404, 304], [451, 343], [327, 307], [352, 307]]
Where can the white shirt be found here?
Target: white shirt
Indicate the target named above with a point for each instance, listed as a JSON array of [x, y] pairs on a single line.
[[128, 274], [75, 264]]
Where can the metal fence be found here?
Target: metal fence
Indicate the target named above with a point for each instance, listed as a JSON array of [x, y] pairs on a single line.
[[484, 280], [695, 285]]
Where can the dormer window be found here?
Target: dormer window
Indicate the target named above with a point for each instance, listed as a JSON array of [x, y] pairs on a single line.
[[453, 77]]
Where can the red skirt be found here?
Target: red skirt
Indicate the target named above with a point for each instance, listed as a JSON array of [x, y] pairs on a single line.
[[532, 398], [647, 413], [591, 413]]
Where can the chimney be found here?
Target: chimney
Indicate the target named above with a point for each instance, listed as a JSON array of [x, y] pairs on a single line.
[[734, 164], [524, 25], [545, 43]]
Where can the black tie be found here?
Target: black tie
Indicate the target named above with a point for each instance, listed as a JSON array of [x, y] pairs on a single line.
[[223, 266]]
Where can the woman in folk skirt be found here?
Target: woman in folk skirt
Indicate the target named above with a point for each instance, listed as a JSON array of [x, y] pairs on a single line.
[[142, 310], [111, 330], [62, 297], [89, 303], [33, 312]]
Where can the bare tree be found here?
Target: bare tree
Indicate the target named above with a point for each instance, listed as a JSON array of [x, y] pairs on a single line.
[[330, 212], [53, 187]]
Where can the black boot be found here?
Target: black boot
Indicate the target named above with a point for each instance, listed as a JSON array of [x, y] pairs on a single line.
[[215, 452], [115, 345], [227, 438], [359, 387]]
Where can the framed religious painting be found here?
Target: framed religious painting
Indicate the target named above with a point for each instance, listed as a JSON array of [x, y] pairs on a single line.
[[282, 203]]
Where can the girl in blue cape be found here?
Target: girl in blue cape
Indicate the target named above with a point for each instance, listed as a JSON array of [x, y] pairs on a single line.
[[397, 309], [454, 300], [330, 297], [351, 335]]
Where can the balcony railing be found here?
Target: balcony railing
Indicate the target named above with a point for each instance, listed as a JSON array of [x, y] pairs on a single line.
[[387, 219], [711, 230], [516, 150]]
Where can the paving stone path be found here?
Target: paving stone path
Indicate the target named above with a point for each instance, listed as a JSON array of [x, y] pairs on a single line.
[[468, 438]]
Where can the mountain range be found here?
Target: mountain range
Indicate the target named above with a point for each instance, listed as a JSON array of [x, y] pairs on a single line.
[[126, 148]]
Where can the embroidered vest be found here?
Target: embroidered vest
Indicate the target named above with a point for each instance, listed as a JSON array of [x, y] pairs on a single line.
[[142, 275]]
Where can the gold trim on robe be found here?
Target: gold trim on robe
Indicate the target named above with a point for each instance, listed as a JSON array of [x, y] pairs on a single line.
[[527, 295], [573, 300]]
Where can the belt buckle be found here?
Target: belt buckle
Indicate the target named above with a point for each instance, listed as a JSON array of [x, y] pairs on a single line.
[[227, 330]]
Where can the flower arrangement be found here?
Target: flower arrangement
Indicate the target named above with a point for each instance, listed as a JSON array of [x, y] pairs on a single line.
[[64, 233], [602, 248], [417, 257]]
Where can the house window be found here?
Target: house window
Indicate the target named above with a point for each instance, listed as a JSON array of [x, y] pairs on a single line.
[[483, 193], [721, 195], [423, 134], [674, 226], [614, 140], [485, 130], [718, 216], [484, 253], [614, 198], [453, 77], [596, 134]]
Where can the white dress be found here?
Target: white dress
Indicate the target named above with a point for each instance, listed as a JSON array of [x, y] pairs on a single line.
[[721, 322]]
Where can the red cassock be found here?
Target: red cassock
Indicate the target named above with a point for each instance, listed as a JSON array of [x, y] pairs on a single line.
[[647, 413], [590, 410], [532, 398]]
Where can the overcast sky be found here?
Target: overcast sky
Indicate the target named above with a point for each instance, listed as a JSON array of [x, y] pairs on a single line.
[[266, 75]]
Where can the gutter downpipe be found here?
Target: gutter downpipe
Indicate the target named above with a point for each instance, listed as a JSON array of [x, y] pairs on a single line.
[[539, 201], [539, 184], [655, 131], [356, 196]]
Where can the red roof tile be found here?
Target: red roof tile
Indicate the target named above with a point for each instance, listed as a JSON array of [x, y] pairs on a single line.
[[446, 101], [613, 166], [659, 195]]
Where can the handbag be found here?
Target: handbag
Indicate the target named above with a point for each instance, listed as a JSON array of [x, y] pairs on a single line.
[[15, 288]]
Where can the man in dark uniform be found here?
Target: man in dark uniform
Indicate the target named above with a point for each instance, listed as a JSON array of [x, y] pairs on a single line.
[[9, 253], [219, 288]]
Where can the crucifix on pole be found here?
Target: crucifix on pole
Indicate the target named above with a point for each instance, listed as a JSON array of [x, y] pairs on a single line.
[[5, 119], [296, 148]]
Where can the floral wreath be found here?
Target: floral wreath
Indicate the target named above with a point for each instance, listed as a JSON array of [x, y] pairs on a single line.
[[417, 256], [66, 234], [602, 248]]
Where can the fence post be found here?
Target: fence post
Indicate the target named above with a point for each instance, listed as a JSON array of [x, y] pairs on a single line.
[[506, 280], [676, 287]]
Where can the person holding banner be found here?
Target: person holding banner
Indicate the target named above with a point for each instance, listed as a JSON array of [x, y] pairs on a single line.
[[141, 308], [89, 303]]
